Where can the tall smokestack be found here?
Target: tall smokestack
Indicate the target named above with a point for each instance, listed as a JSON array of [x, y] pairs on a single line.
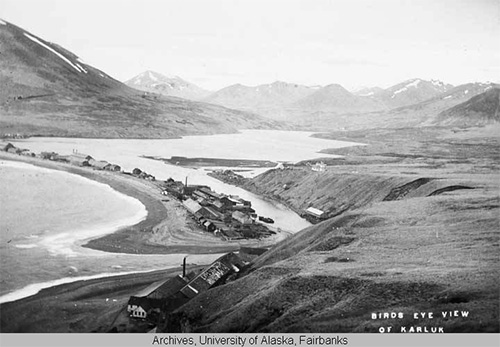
[[184, 267]]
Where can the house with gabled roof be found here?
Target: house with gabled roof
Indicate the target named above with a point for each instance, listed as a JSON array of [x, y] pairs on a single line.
[[142, 307]]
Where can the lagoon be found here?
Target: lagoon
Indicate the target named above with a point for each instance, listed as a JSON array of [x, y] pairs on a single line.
[[47, 251]]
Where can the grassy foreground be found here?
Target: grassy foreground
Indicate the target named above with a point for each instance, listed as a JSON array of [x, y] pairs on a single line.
[[417, 237], [414, 234]]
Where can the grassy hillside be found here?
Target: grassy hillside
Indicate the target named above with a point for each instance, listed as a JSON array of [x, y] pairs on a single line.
[[421, 234], [47, 90]]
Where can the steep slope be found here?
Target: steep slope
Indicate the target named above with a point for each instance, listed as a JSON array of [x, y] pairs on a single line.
[[47, 90], [480, 110], [421, 235], [150, 81], [411, 92]]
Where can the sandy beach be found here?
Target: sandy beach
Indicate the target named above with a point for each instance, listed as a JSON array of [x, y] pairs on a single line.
[[167, 228]]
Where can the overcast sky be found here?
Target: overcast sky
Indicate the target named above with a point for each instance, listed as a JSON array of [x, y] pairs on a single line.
[[216, 43]]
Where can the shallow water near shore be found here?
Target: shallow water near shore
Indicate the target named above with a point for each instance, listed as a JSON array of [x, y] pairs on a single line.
[[43, 251], [42, 232]]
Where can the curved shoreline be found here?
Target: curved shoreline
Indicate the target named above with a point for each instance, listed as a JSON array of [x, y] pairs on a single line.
[[136, 239], [155, 210]]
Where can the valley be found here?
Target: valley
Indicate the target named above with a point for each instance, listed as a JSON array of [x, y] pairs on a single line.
[[381, 204]]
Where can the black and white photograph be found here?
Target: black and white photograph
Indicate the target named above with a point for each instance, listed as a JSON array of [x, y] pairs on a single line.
[[204, 172]]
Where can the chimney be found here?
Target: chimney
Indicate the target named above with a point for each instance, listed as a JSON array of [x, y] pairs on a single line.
[[184, 267]]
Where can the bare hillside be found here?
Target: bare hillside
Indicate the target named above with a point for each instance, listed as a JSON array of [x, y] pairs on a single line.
[[47, 90]]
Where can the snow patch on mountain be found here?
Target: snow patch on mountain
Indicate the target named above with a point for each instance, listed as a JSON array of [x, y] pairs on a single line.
[[437, 83], [34, 39], [85, 71], [405, 88], [153, 77], [2, 22], [413, 84]]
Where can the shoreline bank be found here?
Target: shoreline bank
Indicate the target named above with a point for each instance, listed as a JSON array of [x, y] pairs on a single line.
[[167, 227]]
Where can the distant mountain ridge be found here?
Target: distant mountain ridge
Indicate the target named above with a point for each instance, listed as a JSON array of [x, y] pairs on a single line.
[[367, 91], [48, 90], [411, 92], [336, 99], [266, 99], [155, 82], [281, 100], [439, 110], [481, 109]]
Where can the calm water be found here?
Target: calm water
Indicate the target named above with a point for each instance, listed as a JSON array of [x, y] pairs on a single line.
[[48, 214], [289, 146]]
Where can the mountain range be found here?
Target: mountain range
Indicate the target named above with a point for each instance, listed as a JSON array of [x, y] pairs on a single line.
[[413, 102], [48, 90], [430, 112], [411, 92], [326, 104]]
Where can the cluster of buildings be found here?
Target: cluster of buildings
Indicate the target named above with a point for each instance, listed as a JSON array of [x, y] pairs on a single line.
[[15, 136], [166, 296], [10, 148], [319, 167], [227, 216], [75, 158], [80, 159], [143, 175]]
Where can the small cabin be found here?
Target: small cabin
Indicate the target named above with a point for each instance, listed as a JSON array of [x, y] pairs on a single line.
[[80, 159], [143, 307], [314, 212], [113, 167], [319, 167]]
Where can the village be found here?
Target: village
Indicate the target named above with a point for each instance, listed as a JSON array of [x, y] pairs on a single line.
[[228, 217], [311, 214]]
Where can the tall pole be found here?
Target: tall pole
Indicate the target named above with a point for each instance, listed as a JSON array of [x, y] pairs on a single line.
[[184, 267]]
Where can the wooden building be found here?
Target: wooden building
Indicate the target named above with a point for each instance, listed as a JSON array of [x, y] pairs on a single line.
[[241, 217], [80, 159], [142, 307], [216, 272]]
